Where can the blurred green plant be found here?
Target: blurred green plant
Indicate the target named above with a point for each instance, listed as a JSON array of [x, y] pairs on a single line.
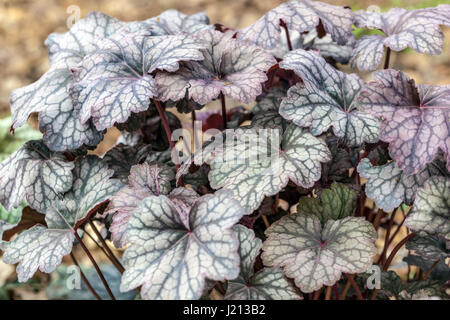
[[11, 142]]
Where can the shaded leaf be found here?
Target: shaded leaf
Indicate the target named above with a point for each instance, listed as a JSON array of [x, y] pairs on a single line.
[[389, 186], [414, 118], [121, 158], [235, 68], [431, 210], [115, 80], [417, 29], [266, 284], [301, 16], [58, 289], [315, 257], [429, 247], [243, 164], [171, 261], [36, 174], [333, 204], [327, 98]]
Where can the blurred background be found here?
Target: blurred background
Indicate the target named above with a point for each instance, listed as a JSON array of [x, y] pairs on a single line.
[[25, 24]]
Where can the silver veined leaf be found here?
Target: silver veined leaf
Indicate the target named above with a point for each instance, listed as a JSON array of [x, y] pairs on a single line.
[[36, 174], [38, 248], [43, 247], [144, 180], [49, 96], [115, 80], [414, 118], [316, 256], [232, 67], [171, 261], [327, 98], [266, 284], [389, 186], [431, 210], [122, 157], [333, 204], [172, 22], [325, 45], [301, 16], [417, 29], [242, 165]]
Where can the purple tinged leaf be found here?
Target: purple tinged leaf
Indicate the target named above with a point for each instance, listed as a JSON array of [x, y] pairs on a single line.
[[232, 67], [389, 186], [115, 80], [266, 284], [327, 98], [301, 16], [183, 199], [172, 22], [36, 174], [417, 29], [43, 248], [49, 96], [144, 180], [415, 118], [316, 256], [252, 179], [431, 210], [171, 261]]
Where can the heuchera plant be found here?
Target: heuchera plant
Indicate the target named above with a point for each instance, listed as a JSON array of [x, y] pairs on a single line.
[[286, 203]]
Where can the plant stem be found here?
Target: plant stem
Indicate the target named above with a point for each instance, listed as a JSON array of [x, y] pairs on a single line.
[[328, 293], [85, 280], [395, 250], [376, 222], [168, 132], [317, 294], [336, 292], [266, 221], [220, 288], [110, 255], [344, 292], [354, 285], [398, 229], [374, 294], [386, 239], [224, 111], [288, 38], [100, 274], [388, 56], [427, 274]]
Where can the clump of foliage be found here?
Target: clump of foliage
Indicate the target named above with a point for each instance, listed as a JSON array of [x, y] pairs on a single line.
[[189, 227]]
